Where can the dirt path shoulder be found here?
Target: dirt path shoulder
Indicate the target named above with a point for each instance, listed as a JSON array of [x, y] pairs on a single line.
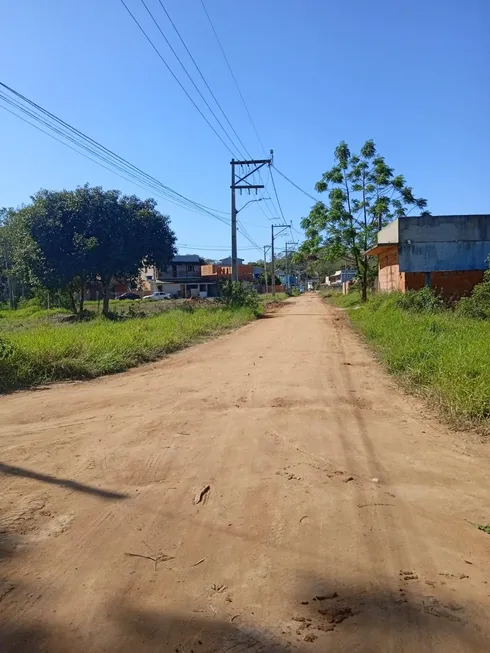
[[271, 490]]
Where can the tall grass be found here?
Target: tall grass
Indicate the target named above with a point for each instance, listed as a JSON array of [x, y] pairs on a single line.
[[437, 353], [88, 349]]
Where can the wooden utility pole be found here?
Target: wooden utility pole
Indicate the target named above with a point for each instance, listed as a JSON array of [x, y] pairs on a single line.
[[241, 183]]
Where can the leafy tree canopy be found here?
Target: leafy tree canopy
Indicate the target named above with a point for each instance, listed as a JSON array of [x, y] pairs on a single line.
[[364, 195], [89, 235]]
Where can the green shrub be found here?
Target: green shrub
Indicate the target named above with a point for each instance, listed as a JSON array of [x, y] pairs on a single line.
[[477, 306], [235, 294], [420, 301]]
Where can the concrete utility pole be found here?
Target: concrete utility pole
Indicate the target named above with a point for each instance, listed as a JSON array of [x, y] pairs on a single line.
[[273, 262], [266, 247], [287, 264], [241, 183]]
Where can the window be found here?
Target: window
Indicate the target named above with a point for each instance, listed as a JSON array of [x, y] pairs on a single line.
[[190, 268], [149, 277]]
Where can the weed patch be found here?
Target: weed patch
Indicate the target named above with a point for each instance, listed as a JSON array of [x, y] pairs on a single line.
[[83, 350], [437, 353]]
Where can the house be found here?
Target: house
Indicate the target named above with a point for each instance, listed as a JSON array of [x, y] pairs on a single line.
[[220, 272], [287, 281], [446, 252], [340, 277], [183, 277], [228, 261]]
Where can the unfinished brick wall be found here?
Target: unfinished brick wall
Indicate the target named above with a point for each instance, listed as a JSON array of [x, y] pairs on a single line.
[[448, 284], [389, 278]]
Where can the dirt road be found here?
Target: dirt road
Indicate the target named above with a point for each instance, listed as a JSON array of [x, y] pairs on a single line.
[[271, 490]]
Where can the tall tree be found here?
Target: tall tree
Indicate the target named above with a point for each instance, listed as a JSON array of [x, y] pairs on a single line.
[[364, 195], [89, 235]]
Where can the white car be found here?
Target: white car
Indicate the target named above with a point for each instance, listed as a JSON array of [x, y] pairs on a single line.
[[155, 296]]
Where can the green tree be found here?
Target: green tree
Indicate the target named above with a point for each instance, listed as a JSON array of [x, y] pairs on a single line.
[[14, 252], [89, 235], [364, 195]]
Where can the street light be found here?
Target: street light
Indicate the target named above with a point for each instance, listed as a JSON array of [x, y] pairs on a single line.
[[250, 202]]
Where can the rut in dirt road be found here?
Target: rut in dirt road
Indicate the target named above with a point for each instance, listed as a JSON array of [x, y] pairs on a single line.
[[271, 490]]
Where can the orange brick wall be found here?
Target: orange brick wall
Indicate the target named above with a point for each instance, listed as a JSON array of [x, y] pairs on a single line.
[[244, 271], [389, 278], [413, 281], [447, 284]]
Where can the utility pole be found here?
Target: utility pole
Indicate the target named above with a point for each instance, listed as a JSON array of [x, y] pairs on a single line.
[[241, 183], [287, 265], [273, 262], [266, 247]]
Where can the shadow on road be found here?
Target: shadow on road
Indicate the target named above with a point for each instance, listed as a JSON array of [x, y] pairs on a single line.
[[61, 482], [354, 620]]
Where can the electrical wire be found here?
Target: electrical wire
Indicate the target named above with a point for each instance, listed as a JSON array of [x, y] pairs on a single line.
[[232, 74], [192, 81], [245, 233], [84, 141], [277, 197], [203, 78], [218, 248], [187, 72], [296, 185], [239, 91], [116, 163], [175, 76]]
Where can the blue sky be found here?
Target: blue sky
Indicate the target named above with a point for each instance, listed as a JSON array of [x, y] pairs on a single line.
[[414, 76]]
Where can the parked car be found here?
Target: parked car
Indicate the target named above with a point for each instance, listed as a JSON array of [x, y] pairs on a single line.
[[156, 296], [129, 295]]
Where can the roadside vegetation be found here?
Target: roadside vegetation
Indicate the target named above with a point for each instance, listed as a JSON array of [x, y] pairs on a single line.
[[45, 353], [440, 352], [39, 346]]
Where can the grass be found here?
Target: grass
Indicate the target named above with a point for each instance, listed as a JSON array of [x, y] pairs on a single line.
[[28, 313], [46, 353], [269, 297], [437, 354]]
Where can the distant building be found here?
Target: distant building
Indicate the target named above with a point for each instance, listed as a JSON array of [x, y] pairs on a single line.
[[183, 277], [280, 274], [228, 261], [340, 277], [446, 252], [221, 272]]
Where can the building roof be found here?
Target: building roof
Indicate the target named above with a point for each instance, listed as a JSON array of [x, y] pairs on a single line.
[[227, 261], [186, 258]]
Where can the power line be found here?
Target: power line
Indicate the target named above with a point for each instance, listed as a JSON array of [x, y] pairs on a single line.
[[277, 197], [217, 248], [233, 75], [239, 92], [296, 185], [245, 233], [204, 79], [175, 76], [186, 71], [118, 164]]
